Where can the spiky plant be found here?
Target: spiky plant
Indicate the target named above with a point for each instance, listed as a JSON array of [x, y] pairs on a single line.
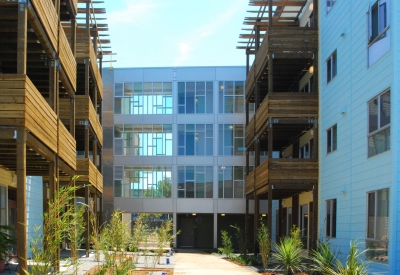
[[288, 256], [323, 258]]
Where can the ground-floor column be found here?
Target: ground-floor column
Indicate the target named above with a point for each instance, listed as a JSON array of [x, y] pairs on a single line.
[[175, 222], [21, 199], [215, 235]]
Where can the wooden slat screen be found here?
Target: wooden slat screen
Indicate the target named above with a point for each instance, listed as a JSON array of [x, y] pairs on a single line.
[[66, 145]]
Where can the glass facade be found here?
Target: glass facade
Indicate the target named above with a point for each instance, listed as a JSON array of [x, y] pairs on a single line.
[[231, 139], [195, 139], [231, 97], [143, 139], [195, 181], [195, 97], [138, 98], [143, 181], [231, 182]]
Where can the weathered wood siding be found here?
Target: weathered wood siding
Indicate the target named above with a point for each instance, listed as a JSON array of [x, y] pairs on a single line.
[[88, 172]]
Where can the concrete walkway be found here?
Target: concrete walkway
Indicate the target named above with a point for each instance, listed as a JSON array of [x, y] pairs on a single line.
[[197, 262], [183, 262]]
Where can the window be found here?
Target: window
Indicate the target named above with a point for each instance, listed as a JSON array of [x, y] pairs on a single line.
[[231, 139], [331, 66], [331, 139], [329, 4], [195, 139], [231, 97], [195, 97], [143, 98], [142, 181], [378, 225], [231, 181], [377, 21], [195, 181], [379, 124], [330, 219], [143, 139]]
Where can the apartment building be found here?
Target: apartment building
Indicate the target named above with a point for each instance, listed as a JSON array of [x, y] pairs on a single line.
[[281, 37], [359, 166], [51, 101], [174, 145]]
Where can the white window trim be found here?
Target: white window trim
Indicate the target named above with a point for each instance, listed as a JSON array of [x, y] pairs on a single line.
[[330, 201], [387, 22], [332, 76], [332, 138], [332, 2]]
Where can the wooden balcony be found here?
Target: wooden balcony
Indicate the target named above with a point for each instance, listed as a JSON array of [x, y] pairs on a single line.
[[282, 105], [23, 105], [281, 40], [84, 110], [84, 49], [282, 172], [88, 173], [66, 145], [56, 35]]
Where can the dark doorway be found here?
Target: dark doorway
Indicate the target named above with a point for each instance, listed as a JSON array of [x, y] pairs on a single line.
[[186, 225]]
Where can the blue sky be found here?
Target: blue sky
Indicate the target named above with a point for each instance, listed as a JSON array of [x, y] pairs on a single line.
[[161, 33]]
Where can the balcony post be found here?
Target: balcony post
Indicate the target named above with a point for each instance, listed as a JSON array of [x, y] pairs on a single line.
[[270, 73], [22, 38], [73, 36], [246, 221], [257, 38], [87, 220], [295, 210], [21, 199], [256, 222], [270, 139], [87, 141], [315, 11], [94, 150], [270, 14], [257, 153], [72, 116], [314, 226], [256, 96], [247, 61], [270, 211]]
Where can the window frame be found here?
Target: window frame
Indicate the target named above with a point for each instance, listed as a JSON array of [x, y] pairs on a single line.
[[380, 129], [331, 67], [331, 138], [377, 208], [381, 29], [332, 223], [329, 7]]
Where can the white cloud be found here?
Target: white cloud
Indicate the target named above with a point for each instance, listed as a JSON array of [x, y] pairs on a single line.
[[194, 39], [134, 12]]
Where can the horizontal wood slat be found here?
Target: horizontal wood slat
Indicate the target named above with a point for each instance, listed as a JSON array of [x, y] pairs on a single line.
[[282, 170], [88, 173], [278, 40], [84, 110], [67, 58], [26, 107], [48, 16], [66, 145]]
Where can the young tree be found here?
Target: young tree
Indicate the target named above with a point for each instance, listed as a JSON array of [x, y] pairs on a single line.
[[264, 242]]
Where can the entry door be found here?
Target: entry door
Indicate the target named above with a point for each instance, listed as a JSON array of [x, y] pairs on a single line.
[[188, 234]]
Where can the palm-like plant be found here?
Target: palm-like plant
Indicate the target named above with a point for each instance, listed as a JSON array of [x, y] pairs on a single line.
[[353, 265], [288, 256], [323, 258]]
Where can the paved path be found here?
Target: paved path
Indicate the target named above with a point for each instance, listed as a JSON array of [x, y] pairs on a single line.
[[183, 262], [197, 262]]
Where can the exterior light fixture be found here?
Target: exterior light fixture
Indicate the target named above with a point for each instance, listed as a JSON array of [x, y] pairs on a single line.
[[311, 7], [194, 214], [264, 215], [311, 69], [223, 215]]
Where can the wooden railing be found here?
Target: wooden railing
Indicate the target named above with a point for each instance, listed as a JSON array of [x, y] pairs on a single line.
[[84, 49], [55, 32], [84, 109], [88, 173], [66, 145], [282, 170], [278, 40], [23, 105], [67, 58], [282, 105]]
